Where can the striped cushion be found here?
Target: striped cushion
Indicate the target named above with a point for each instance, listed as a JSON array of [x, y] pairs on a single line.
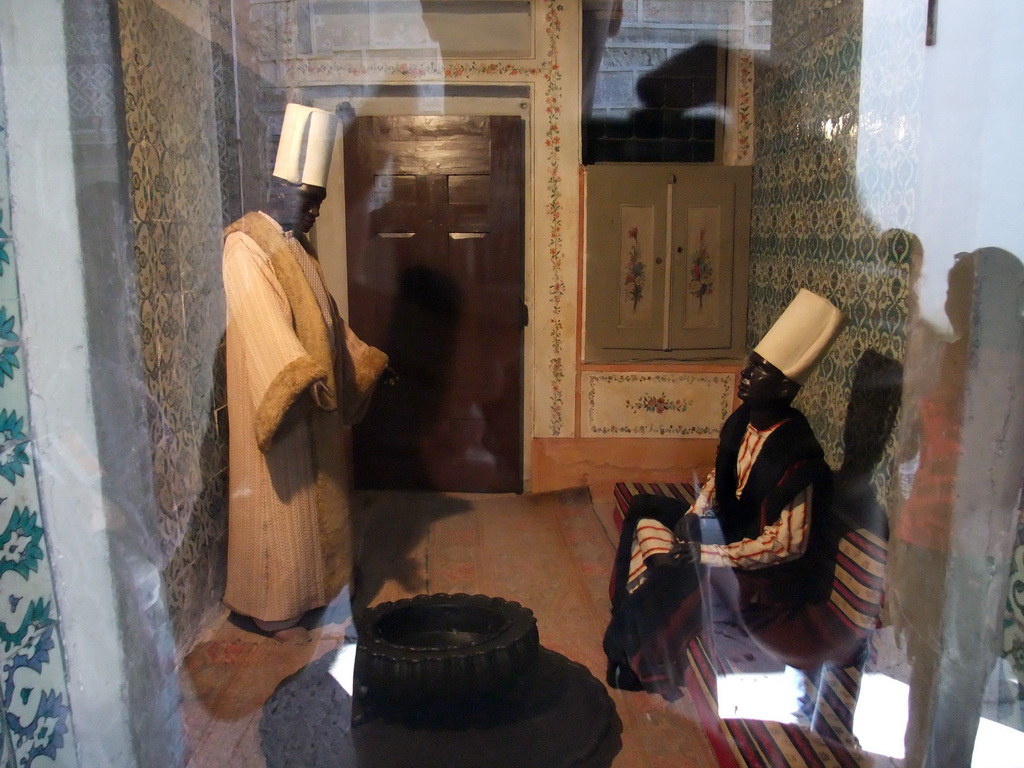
[[624, 493], [858, 577], [749, 743]]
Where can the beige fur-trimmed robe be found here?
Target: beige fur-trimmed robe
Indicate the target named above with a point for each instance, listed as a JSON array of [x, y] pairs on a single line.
[[295, 375]]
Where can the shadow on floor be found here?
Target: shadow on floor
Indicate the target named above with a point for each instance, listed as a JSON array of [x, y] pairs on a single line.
[[563, 718]]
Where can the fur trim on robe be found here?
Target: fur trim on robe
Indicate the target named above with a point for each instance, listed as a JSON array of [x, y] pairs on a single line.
[[289, 543]]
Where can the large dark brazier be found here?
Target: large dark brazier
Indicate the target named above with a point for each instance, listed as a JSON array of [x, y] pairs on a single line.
[[460, 681], [445, 647]]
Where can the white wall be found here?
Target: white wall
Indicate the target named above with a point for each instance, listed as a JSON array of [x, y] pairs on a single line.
[[972, 154]]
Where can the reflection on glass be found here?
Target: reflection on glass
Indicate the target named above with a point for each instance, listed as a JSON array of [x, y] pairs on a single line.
[[656, 101], [956, 526], [453, 236]]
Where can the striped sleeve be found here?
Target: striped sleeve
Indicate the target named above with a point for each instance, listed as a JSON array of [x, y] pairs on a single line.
[[780, 542], [650, 538], [704, 504]]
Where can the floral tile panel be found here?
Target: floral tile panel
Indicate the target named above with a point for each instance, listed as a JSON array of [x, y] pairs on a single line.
[[655, 404], [33, 697], [8, 275], [12, 379]]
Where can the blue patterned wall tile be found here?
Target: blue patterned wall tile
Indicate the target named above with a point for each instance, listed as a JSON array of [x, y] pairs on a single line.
[[227, 142], [213, 457], [23, 555], [12, 357], [32, 674], [175, 78], [199, 249], [809, 227], [204, 314], [35, 699], [8, 269], [158, 271], [15, 458], [152, 193]]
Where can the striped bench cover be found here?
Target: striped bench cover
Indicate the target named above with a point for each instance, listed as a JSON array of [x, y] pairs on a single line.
[[624, 493], [858, 578]]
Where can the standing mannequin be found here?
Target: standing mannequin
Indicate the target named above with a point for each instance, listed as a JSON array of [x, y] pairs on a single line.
[[296, 375]]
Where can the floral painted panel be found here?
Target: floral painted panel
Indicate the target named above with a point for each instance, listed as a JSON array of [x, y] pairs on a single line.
[[704, 256], [655, 404], [636, 246], [35, 716]]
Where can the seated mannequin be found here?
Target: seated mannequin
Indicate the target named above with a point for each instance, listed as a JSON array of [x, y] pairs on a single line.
[[770, 491]]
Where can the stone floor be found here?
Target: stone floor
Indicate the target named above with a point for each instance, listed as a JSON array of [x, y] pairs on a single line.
[[550, 552]]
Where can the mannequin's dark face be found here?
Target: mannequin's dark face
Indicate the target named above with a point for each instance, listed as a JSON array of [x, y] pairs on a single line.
[[295, 206], [761, 383]]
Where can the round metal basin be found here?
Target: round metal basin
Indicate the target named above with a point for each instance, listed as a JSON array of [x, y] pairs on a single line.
[[447, 646]]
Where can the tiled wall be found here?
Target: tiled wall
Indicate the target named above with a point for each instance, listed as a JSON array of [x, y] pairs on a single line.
[[34, 712], [808, 227], [177, 139], [240, 129]]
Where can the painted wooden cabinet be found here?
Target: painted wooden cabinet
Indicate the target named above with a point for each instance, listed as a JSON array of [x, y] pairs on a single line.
[[666, 257]]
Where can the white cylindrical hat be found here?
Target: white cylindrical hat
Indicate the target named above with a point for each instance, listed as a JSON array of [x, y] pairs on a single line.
[[307, 141], [802, 335]]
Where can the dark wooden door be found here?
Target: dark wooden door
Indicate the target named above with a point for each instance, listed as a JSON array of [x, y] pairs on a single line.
[[436, 275]]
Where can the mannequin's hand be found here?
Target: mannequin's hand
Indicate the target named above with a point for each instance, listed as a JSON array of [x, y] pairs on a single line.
[[685, 553], [687, 528], [660, 560]]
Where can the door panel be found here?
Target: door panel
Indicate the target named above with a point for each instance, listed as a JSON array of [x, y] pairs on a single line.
[[436, 265]]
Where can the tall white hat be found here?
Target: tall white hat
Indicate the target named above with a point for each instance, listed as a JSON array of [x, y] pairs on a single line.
[[307, 141], [802, 335]]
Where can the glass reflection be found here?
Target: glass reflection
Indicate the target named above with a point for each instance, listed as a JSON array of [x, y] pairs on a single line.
[[875, 161]]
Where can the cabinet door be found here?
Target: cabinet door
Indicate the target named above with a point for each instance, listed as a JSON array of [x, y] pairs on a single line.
[[626, 231], [704, 250], [667, 249]]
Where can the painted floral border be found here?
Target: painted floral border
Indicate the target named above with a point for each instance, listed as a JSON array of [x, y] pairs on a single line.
[[656, 400], [745, 109]]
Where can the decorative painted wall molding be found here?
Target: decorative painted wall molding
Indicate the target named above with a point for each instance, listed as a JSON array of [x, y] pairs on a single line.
[[655, 404], [739, 104]]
